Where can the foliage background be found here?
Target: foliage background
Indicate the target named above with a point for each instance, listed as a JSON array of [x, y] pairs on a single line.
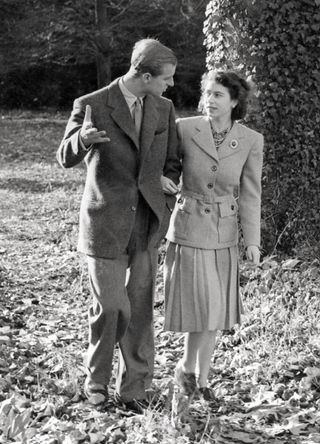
[[276, 44], [49, 49]]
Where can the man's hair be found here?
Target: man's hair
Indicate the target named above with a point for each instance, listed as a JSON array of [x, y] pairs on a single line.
[[149, 55], [237, 86]]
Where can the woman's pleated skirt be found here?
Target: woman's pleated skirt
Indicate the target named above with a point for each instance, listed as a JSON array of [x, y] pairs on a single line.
[[201, 289]]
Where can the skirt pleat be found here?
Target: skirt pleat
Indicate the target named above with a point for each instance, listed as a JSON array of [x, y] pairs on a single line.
[[201, 289]]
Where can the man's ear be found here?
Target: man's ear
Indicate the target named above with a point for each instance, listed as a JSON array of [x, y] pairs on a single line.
[[146, 76]]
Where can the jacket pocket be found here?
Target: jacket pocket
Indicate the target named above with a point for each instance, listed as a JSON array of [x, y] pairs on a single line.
[[184, 208], [185, 204], [160, 131], [228, 221]]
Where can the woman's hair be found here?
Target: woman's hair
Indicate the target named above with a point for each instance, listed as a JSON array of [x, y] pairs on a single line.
[[238, 88], [149, 55]]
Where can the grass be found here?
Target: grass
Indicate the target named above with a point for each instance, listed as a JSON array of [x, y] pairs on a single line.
[[266, 373]]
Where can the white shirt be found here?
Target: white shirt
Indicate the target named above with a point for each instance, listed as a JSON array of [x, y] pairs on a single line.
[[129, 97]]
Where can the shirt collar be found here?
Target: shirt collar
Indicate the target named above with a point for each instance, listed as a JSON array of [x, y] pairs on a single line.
[[130, 98]]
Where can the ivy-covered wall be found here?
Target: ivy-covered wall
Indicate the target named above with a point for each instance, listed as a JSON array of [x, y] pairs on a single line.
[[276, 43]]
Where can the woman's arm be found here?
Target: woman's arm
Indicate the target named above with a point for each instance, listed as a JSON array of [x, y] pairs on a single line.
[[250, 195]]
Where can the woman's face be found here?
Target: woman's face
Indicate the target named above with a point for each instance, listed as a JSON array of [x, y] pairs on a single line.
[[217, 101]]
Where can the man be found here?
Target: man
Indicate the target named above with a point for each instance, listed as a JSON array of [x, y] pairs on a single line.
[[126, 134]]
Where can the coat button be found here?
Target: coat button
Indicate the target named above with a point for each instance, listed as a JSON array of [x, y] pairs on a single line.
[[133, 208], [232, 207], [207, 210], [180, 200], [214, 168], [210, 185]]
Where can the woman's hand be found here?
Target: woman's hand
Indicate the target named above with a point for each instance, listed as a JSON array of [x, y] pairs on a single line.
[[168, 186], [253, 254]]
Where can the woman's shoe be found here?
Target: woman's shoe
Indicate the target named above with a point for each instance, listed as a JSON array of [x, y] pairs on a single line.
[[207, 394], [186, 381]]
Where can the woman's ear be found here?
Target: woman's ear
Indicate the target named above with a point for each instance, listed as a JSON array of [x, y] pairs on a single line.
[[234, 103]]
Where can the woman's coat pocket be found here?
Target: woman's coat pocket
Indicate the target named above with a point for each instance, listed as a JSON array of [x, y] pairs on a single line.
[[184, 208], [227, 221]]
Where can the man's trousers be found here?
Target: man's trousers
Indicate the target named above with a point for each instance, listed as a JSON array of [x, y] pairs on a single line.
[[122, 312]]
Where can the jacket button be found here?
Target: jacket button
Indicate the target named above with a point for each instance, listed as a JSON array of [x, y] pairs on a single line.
[[180, 200], [207, 210], [214, 168], [210, 185], [232, 207], [133, 208]]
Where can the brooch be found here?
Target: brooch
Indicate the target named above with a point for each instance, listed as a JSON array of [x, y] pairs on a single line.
[[233, 144]]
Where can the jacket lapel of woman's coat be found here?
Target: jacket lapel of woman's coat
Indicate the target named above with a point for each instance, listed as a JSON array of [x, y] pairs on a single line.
[[203, 137]]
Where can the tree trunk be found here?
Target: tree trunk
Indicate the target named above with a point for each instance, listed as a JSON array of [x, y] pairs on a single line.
[[103, 63], [103, 57]]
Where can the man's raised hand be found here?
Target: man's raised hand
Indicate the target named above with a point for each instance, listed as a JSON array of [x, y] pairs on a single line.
[[88, 133]]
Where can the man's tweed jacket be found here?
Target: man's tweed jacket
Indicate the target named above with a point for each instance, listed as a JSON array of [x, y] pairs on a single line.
[[117, 171]]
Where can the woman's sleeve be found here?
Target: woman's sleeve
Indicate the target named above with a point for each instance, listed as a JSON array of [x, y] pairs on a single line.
[[250, 194]]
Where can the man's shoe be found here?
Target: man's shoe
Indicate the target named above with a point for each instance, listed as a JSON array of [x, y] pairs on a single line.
[[152, 397], [186, 381], [134, 405], [97, 394]]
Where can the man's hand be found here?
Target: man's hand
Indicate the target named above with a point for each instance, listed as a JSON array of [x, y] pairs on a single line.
[[88, 133], [253, 254], [168, 186]]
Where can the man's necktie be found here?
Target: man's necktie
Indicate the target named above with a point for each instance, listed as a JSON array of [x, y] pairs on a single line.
[[137, 115]]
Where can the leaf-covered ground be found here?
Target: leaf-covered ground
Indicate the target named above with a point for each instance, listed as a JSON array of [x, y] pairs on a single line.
[[266, 374]]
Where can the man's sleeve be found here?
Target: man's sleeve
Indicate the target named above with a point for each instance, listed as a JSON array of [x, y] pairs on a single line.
[[71, 150], [172, 167]]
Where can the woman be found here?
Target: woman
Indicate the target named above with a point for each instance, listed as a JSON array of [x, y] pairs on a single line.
[[222, 163]]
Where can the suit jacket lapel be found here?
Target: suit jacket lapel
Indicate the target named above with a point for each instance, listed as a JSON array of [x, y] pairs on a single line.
[[204, 139], [149, 124], [121, 113]]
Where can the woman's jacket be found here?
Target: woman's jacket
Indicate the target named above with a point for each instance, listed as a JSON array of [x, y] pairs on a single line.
[[218, 185]]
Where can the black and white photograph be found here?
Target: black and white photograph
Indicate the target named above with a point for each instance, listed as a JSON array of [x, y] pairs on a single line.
[[160, 221]]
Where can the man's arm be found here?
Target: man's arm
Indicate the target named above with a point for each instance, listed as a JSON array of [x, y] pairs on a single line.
[[172, 167], [80, 135]]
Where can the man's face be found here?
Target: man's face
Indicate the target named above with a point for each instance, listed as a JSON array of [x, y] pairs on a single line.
[[157, 85]]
